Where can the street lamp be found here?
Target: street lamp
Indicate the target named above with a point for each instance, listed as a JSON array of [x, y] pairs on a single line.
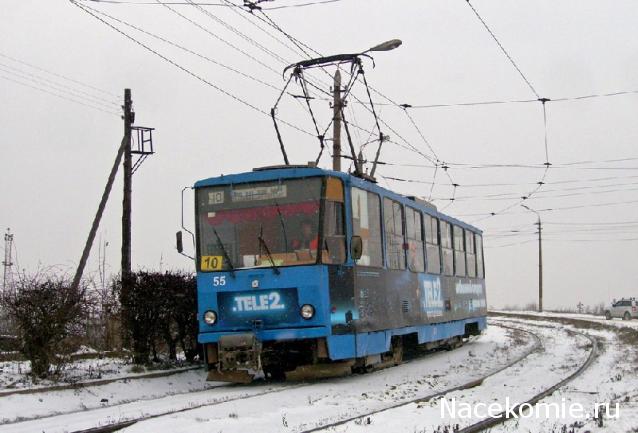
[[341, 58], [386, 46], [540, 258]]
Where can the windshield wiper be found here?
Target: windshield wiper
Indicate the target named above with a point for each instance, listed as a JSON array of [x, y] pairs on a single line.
[[262, 242], [225, 252], [283, 225]]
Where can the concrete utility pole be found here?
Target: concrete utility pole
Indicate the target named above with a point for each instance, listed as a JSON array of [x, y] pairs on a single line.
[[540, 264], [336, 131], [129, 118], [540, 257], [8, 261]]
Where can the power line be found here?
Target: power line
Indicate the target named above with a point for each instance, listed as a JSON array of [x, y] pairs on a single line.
[[216, 36], [503, 49], [57, 86], [521, 101], [148, 3], [189, 72], [55, 74], [238, 33], [185, 49], [60, 96], [300, 5]]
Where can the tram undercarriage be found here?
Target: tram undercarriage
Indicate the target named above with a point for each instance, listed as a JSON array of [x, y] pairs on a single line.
[[241, 358]]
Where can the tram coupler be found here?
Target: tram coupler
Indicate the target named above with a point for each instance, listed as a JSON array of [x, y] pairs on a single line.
[[239, 358]]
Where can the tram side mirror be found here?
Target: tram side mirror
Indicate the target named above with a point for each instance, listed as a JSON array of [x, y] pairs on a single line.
[[180, 243], [356, 247]]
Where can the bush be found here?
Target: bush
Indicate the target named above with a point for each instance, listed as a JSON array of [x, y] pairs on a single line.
[[47, 313], [159, 309]]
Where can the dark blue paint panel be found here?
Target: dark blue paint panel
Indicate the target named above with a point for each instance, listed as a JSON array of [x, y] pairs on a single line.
[[273, 306]]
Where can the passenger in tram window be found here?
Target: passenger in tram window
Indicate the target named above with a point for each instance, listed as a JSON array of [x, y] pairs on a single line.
[[309, 238]]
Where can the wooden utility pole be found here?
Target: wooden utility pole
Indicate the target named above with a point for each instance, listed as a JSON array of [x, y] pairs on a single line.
[[337, 118], [128, 177], [98, 216]]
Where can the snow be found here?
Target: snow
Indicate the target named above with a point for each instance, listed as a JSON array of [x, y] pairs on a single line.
[[14, 374], [589, 317], [296, 403], [196, 405], [319, 403]]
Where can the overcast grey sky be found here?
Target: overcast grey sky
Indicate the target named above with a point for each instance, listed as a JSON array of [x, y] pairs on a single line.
[[56, 154]]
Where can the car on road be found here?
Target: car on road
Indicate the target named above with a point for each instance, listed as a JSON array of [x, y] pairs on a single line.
[[625, 309]]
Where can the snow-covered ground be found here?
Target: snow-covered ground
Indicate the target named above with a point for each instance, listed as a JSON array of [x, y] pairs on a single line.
[[612, 378], [561, 355], [14, 374], [589, 317], [293, 404], [375, 402]]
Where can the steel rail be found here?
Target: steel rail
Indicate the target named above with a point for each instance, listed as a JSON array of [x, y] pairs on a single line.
[[502, 417], [471, 384], [475, 382]]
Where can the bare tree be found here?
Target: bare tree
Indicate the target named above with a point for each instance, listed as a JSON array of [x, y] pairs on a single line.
[[47, 313]]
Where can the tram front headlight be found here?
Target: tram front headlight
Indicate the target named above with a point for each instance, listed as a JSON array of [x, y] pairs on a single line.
[[307, 311], [210, 317]]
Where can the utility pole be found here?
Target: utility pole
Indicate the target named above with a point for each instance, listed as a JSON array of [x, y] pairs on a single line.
[[98, 216], [540, 257], [337, 118], [129, 118], [144, 147], [540, 264], [8, 261]]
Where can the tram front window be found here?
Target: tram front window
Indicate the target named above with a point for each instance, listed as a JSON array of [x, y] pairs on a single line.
[[258, 224]]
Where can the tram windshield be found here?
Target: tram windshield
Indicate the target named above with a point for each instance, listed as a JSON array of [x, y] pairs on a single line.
[[264, 224]]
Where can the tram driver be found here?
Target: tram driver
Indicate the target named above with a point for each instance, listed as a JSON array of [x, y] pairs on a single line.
[[308, 239]]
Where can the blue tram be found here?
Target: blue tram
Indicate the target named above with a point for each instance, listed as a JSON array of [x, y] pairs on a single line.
[[306, 270]]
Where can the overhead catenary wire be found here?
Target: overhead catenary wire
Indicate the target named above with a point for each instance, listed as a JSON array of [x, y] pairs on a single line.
[[216, 36], [306, 49], [185, 49], [502, 48], [237, 32], [540, 166], [184, 69], [174, 3]]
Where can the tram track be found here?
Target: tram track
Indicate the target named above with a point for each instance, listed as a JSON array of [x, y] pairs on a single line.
[[125, 423], [467, 385], [476, 382], [500, 418], [118, 425]]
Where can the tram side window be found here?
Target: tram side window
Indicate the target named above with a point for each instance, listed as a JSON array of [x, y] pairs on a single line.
[[393, 226], [416, 261], [480, 269], [333, 249], [471, 253], [432, 244], [459, 252], [366, 222], [446, 248]]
